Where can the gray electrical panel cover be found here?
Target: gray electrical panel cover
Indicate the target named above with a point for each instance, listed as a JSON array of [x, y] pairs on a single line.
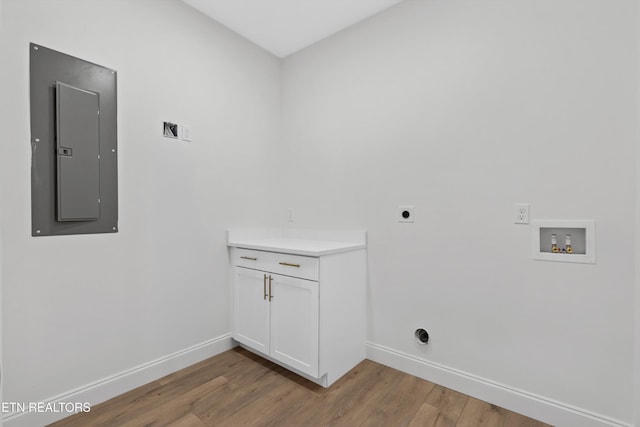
[[78, 152], [74, 180]]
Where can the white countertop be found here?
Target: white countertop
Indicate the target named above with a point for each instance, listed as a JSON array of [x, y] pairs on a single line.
[[294, 246]]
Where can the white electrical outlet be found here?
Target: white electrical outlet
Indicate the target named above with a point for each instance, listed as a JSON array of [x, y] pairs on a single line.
[[521, 213]]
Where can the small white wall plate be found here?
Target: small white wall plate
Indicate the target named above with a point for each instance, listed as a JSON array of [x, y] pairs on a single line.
[[405, 214]]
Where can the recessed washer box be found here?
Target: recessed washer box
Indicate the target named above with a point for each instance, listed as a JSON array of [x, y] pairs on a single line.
[[564, 241]]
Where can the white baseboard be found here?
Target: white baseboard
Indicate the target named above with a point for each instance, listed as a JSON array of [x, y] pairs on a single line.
[[122, 382], [541, 408]]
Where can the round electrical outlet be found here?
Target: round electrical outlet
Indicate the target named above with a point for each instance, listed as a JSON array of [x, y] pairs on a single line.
[[405, 214]]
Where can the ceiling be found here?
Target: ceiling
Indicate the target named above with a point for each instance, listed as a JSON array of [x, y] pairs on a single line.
[[285, 26]]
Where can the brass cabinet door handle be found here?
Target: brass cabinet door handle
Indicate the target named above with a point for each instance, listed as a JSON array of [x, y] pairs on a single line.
[[264, 287], [249, 258], [290, 265], [270, 294]]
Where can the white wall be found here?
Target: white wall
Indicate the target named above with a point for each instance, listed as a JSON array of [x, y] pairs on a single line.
[[637, 257], [463, 108], [81, 308], [460, 108], [1, 262]]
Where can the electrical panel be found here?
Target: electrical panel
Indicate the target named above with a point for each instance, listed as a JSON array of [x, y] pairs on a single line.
[[74, 179]]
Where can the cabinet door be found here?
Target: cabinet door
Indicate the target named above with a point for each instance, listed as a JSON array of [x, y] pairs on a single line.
[[251, 309], [294, 323]]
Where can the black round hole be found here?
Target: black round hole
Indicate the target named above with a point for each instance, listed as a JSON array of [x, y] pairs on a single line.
[[422, 336], [406, 214]]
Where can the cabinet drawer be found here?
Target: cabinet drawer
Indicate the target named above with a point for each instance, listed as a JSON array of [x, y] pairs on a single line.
[[289, 265]]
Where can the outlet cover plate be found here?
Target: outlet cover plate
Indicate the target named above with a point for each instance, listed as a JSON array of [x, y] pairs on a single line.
[[521, 213], [405, 213], [186, 133]]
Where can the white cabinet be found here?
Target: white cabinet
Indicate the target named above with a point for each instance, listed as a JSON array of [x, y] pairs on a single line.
[[278, 316], [294, 323], [306, 313], [251, 314]]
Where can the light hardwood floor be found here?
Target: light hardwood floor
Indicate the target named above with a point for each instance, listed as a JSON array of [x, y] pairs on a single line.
[[237, 388]]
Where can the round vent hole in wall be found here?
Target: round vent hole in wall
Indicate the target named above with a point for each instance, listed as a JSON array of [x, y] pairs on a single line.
[[422, 336]]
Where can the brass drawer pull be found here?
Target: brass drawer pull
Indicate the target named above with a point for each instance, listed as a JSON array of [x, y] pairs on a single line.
[[264, 287], [290, 265], [249, 258]]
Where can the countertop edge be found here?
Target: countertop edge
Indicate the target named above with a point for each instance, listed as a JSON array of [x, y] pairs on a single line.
[[285, 250]]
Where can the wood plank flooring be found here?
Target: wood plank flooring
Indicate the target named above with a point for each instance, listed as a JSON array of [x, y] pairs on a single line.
[[237, 388]]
